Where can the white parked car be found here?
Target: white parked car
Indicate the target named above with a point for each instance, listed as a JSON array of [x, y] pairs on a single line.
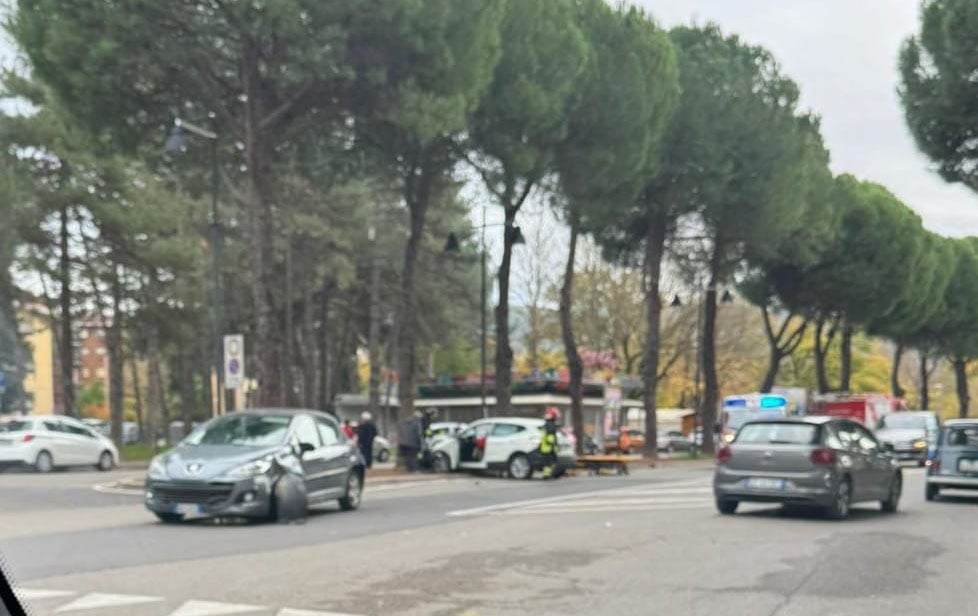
[[382, 449], [50, 441], [507, 444]]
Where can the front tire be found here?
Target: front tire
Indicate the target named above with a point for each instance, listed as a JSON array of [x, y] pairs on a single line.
[[169, 518], [354, 492], [519, 466], [726, 506], [105, 462], [893, 498], [932, 492], [441, 463], [842, 502], [44, 463]]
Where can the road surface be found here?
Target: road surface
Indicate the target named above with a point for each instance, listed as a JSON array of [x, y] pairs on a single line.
[[649, 542]]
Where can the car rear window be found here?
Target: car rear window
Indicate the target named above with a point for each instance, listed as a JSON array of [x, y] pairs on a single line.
[[777, 433], [15, 425], [961, 437]]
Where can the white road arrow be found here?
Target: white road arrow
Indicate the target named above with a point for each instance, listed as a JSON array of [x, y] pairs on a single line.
[[36, 594], [288, 611]]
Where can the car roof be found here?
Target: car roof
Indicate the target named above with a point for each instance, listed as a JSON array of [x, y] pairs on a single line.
[[805, 419], [961, 422], [523, 421], [282, 411]]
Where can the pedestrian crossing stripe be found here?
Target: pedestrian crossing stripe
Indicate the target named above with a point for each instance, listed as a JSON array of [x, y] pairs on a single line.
[[664, 496], [101, 601], [96, 600]]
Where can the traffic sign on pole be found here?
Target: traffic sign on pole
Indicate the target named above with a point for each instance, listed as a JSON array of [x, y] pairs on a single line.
[[234, 366]]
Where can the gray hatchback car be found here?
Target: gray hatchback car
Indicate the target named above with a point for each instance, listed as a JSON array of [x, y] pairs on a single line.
[[825, 462], [257, 464], [954, 464]]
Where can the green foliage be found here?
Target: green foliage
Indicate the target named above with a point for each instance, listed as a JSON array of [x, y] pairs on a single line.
[[938, 88]]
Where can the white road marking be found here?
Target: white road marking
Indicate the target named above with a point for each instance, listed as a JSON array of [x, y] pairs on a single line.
[[95, 600], [36, 594], [607, 494], [113, 487], [288, 611], [213, 608]]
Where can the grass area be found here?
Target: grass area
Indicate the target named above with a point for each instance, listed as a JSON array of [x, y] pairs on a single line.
[[138, 452]]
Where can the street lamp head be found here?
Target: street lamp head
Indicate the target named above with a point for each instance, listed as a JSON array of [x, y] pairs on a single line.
[[517, 235], [452, 246], [175, 141], [676, 302], [727, 297]]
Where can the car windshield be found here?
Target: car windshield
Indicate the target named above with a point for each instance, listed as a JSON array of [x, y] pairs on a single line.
[[15, 425], [246, 430], [896, 420], [735, 419], [777, 433]]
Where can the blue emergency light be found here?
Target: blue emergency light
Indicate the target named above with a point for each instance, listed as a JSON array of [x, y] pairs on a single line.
[[771, 402]]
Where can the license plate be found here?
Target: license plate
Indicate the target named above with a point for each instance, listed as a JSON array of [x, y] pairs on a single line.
[[765, 483], [968, 466], [186, 509]]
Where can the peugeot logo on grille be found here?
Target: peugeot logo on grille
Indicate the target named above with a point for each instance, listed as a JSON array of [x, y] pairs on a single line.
[[193, 469]]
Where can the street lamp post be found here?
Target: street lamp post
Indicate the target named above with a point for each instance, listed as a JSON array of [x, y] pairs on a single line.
[[175, 142], [452, 246]]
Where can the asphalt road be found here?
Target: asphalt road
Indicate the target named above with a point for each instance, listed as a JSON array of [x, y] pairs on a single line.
[[647, 543]]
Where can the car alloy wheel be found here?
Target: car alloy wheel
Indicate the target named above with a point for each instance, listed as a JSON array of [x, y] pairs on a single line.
[[354, 492], [44, 463], [519, 466], [105, 462], [441, 463], [843, 498]]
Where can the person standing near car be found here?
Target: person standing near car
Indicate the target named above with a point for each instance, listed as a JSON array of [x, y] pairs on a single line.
[[409, 441], [366, 433], [548, 444], [347, 428]]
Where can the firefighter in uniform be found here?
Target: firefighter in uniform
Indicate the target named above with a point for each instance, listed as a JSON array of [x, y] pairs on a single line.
[[548, 444]]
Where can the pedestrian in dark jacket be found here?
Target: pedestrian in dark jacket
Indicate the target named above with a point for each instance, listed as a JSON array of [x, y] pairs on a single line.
[[366, 433], [409, 441]]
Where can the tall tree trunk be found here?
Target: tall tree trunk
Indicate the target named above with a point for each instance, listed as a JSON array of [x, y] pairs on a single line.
[[845, 357], [711, 385], [322, 362], [267, 358], [66, 355], [780, 345], [504, 353], [417, 190], [823, 340], [154, 386], [187, 402], [895, 386], [113, 340], [307, 343], [137, 394], [574, 365], [961, 382], [373, 335], [654, 248], [924, 382], [288, 380]]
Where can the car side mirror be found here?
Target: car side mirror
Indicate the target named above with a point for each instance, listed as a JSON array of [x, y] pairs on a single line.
[[888, 447], [304, 448]]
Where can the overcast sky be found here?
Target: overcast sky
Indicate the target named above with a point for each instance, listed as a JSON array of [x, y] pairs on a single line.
[[843, 54]]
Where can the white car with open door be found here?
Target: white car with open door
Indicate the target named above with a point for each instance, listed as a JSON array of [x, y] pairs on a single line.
[[503, 444]]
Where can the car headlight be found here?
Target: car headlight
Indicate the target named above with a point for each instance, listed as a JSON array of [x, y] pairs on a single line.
[[251, 469], [919, 444], [728, 438], [157, 469]]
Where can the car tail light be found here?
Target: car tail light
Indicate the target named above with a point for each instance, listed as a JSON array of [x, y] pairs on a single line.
[[723, 456], [823, 457], [934, 466], [27, 438]]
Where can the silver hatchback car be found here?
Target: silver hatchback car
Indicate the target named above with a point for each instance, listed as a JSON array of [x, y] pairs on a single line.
[[825, 462]]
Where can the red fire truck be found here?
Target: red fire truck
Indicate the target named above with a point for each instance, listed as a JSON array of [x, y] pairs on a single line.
[[864, 408]]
